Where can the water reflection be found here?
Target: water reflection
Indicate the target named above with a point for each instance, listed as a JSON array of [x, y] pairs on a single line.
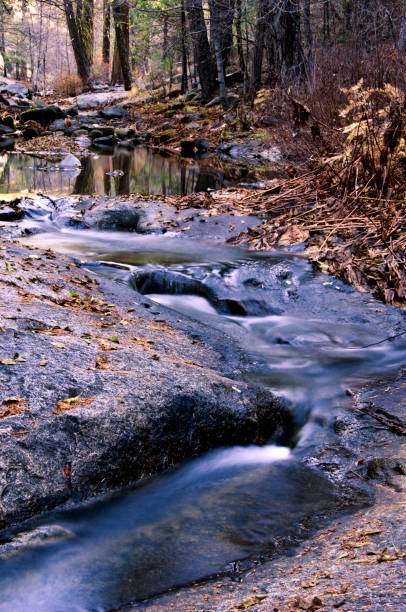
[[138, 170]]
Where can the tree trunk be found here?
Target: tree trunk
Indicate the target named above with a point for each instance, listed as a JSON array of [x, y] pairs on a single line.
[[184, 48], [308, 29], [77, 44], [201, 47], [3, 41], [106, 32], [292, 50], [402, 35], [121, 27], [238, 30], [215, 21], [85, 21], [258, 53]]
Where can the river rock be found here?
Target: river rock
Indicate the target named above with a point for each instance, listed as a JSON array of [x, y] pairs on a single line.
[[69, 162], [57, 125], [72, 111], [112, 392], [100, 131], [4, 129], [14, 89], [114, 112], [8, 121], [125, 133], [115, 216], [191, 117], [43, 116], [8, 213], [30, 133], [106, 142], [6, 144]]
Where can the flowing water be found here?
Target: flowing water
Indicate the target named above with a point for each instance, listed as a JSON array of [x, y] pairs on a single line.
[[305, 335]]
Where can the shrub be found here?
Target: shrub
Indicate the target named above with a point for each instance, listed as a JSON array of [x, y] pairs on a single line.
[[68, 85]]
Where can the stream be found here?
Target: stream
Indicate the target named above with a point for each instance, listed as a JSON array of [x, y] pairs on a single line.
[[305, 335]]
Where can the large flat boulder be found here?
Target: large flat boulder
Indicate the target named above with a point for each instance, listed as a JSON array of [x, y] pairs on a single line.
[[99, 387]]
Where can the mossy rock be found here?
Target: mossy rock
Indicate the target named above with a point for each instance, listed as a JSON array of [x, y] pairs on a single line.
[[169, 113], [163, 137], [8, 121], [43, 116]]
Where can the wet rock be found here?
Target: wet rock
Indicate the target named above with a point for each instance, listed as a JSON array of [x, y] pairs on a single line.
[[191, 117], [57, 125], [105, 142], [101, 131], [112, 416], [72, 111], [225, 147], [81, 132], [86, 102], [43, 116], [176, 106], [119, 217], [8, 121], [96, 133], [125, 133], [114, 112], [69, 162], [30, 132], [169, 283], [8, 213], [202, 145], [13, 89], [187, 147], [6, 144], [4, 129], [41, 536]]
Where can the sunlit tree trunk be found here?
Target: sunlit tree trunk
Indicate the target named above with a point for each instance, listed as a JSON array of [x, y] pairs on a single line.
[[85, 24]]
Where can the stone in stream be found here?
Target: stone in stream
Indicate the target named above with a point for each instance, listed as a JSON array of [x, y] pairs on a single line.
[[105, 142], [9, 213], [125, 133], [113, 393], [4, 129], [8, 121], [6, 144], [57, 125], [114, 112], [43, 116], [69, 162], [100, 131], [30, 133]]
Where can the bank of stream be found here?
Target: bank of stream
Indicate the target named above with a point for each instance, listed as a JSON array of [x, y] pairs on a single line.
[[304, 335]]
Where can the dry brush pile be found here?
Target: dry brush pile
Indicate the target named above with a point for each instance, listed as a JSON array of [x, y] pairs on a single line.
[[351, 207]]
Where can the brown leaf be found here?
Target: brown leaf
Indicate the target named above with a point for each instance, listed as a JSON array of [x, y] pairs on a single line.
[[293, 235]]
